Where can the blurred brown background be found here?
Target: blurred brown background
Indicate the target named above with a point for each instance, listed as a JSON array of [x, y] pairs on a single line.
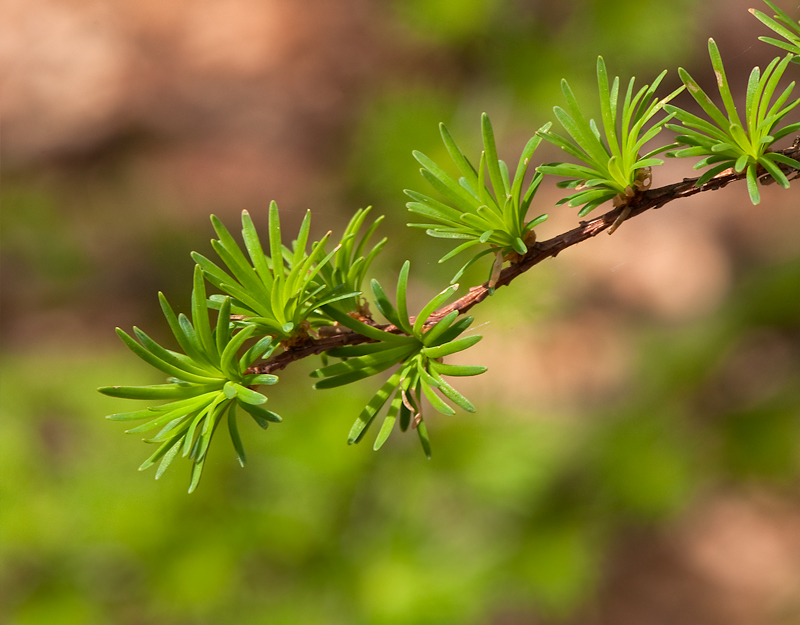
[[634, 457]]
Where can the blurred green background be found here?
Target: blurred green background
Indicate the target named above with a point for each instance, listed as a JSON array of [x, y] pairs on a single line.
[[634, 457]]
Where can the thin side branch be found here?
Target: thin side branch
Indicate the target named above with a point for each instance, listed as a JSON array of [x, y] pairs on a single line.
[[646, 200]]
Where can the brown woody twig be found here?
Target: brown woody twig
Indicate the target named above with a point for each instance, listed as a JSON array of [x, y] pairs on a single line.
[[644, 201]]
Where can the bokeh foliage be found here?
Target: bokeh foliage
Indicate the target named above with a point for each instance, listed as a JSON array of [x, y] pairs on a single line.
[[518, 507], [524, 514]]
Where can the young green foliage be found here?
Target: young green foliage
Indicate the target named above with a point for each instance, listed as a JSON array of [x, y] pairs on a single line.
[[612, 165], [279, 296], [205, 382], [480, 213], [784, 26], [418, 351], [276, 292], [348, 265], [724, 139]]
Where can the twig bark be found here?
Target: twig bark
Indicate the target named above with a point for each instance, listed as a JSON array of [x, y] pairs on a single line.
[[538, 252]]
